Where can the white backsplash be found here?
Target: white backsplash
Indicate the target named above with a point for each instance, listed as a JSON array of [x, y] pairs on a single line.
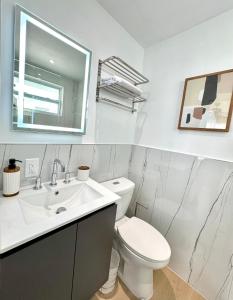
[[190, 201], [106, 161]]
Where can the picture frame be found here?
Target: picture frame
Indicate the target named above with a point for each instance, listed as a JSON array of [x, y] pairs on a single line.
[[207, 102]]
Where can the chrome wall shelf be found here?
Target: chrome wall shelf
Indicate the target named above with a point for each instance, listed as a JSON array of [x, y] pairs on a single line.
[[117, 66]]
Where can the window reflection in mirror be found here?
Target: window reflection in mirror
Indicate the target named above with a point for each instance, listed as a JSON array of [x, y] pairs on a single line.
[[50, 80]]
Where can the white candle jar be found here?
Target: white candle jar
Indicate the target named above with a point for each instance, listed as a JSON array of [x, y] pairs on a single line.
[[83, 173]]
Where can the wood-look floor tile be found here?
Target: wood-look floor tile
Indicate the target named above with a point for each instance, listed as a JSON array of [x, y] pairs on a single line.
[[168, 286]]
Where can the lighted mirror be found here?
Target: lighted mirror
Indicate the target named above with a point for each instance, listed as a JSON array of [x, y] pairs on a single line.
[[50, 78]]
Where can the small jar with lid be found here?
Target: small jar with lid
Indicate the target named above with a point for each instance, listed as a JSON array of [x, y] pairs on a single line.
[[83, 173]]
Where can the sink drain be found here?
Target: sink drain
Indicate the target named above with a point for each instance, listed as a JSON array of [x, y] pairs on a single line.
[[60, 210]]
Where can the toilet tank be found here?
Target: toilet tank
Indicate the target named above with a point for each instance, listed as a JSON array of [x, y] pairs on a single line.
[[124, 188]]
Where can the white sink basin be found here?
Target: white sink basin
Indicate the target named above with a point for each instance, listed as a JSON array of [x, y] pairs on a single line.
[[70, 196], [56, 200]]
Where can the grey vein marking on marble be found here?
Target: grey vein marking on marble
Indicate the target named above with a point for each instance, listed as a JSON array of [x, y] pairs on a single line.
[[205, 222], [93, 156], [68, 163], [42, 162], [225, 282], [130, 159], [222, 209], [186, 191], [168, 169], [163, 185], [138, 192], [154, 202], [3, 158], [164, 178]]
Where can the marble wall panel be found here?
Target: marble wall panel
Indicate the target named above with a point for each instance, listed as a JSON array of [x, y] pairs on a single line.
[[190, 201], [106, 161]]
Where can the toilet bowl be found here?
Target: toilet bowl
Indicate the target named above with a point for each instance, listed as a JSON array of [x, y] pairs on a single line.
[[142, 248]]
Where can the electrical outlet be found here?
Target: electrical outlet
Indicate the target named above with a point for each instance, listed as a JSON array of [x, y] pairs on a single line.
[[31, 167]]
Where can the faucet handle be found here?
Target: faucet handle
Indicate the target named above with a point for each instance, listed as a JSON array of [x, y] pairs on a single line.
[[67, 177], [38, 184], [53, 179]]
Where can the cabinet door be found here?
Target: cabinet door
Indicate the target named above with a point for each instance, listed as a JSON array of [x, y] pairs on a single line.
[[93, 252], [42, 270]]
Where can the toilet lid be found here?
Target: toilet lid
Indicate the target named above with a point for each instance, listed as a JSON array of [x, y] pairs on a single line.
[[144, 240]]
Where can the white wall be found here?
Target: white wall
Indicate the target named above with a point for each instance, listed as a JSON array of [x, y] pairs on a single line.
[[89, 24], [203, 49]]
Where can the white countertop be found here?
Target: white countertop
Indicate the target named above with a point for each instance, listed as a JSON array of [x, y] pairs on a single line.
[[15, 231]]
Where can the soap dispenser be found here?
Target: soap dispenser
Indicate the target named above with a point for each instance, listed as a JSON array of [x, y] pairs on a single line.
[[11, 178]]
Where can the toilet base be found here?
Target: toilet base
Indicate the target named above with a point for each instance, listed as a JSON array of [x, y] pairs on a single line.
[[138, 279]]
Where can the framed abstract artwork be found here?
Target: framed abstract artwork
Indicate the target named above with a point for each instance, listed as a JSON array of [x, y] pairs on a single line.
[[207, 102]]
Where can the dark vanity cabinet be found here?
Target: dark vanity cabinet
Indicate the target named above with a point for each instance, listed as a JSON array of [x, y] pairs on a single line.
[[71, 263], [41, 270], [93, 253]]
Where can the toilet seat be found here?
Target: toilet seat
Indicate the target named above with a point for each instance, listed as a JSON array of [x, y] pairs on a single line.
[[144, 240]]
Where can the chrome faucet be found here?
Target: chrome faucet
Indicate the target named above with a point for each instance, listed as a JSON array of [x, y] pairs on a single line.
[[56, 163], [38, 185]]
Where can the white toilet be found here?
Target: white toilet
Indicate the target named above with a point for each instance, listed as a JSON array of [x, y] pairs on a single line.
[[142, 248]]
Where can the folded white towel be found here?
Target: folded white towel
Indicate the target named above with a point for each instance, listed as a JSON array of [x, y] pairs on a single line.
[[123, 83]]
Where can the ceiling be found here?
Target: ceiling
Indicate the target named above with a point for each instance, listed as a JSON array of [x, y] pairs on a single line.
[[150, 21]]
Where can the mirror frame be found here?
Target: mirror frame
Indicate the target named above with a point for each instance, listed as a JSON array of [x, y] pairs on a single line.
[[25, 16]]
